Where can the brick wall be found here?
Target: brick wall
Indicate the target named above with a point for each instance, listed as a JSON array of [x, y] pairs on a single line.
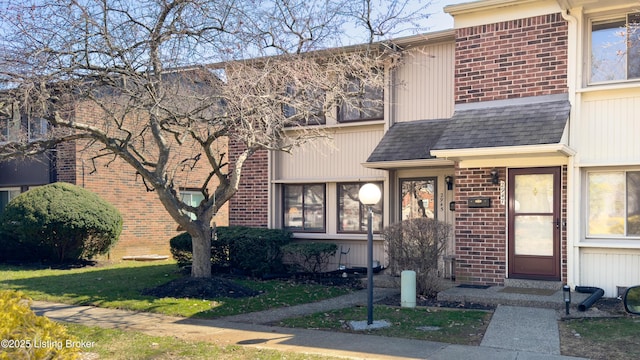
[[511, 59], [481, 237], [147, 226], [65, 163], [250, 205]]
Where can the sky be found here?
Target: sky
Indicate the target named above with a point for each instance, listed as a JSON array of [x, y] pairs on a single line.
[[441, 20]]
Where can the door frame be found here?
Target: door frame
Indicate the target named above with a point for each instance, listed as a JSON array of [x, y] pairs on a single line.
[[519, 267]]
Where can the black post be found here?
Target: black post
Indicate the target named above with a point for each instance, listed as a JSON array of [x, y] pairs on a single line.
[[370, 266]]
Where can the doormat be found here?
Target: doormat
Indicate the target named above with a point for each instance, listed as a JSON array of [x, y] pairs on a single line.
[[528, 291], [469, 286]]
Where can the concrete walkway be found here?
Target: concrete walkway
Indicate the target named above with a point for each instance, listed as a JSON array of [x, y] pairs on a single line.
[[513, 333]]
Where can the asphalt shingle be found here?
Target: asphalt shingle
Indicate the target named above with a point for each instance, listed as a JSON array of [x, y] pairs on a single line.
[[521, 124]]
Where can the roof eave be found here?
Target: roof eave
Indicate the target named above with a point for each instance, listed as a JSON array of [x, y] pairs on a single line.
[[475, 6], [505, 151], [401, 164]]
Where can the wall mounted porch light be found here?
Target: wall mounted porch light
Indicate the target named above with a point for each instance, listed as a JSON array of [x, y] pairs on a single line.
[[449, 180], [495, 176], [369, 195]]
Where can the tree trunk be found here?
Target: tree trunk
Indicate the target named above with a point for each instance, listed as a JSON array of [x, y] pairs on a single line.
[[201, 243]]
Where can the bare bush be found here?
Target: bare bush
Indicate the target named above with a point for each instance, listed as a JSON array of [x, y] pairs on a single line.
[[416, 245]]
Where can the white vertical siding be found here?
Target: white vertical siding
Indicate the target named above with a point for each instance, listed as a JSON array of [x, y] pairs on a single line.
[[609, 268], [423, 84], [338, 158], [609, 128]]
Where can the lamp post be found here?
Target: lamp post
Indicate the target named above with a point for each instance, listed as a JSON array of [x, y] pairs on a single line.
[[369, 195]]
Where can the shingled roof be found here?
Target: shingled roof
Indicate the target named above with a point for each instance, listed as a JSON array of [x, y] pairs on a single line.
[[516, 124], [409, 140]]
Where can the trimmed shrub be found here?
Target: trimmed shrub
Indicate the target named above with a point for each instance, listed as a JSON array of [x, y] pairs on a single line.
[[255, 251], [28, 336], [59, 222], [310, 256], [416, 245]]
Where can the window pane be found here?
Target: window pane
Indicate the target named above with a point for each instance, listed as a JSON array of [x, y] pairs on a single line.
[[314, 207], [534, 235], [293, 206], [37, 128], [633, 203], [534, 193], [633, 41], [608, 51], [367, 106], [418, 198], [376, 226], [606, 203], [352, 214], [6, 196], [192, 198], [349, 208]]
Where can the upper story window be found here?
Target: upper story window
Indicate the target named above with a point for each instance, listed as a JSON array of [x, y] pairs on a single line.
[[14, 127], [304, 107], [37, 128], [615, 49], [368, 104]]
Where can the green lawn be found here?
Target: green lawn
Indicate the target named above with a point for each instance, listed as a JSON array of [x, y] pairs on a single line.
[[131, 345], [120, 285]]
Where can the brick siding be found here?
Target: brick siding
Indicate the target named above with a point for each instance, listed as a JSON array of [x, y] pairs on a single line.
[[481, 233], [250, 205], [511, 59], [481, 239], [147, 226]]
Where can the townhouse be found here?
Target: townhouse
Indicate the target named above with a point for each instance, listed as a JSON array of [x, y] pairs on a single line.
[[517, 127]]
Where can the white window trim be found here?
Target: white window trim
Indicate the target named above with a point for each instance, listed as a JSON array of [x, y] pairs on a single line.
[[599, 240], [587, 49]]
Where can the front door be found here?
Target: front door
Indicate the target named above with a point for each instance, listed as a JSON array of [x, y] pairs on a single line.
[[534, 223]]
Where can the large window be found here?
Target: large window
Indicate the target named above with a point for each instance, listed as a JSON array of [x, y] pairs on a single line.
[[418, 198], [613, 203], [352, 215], [367, 105], [304, 207], [615, 49]]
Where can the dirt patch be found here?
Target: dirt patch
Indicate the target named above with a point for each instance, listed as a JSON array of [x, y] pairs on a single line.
[[573, 344], [433, 302], [188, 287]]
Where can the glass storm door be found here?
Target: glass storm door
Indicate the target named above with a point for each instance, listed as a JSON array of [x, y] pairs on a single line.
[[534, 223]]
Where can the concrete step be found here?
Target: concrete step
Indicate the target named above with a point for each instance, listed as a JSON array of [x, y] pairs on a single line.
[[500, 295], [533, 284]]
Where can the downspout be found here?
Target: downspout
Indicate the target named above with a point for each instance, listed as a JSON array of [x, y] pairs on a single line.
[[573, 170]]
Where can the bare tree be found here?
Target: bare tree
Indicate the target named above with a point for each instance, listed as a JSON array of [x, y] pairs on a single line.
[[167, 83]]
